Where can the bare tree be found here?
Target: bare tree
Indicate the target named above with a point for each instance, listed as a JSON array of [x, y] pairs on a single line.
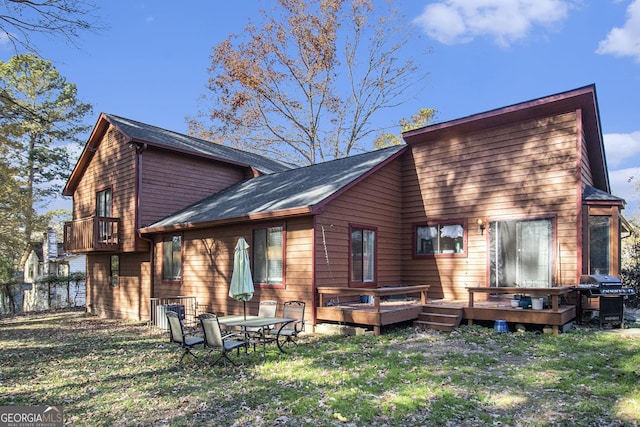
[[21, 19], [305, 84]]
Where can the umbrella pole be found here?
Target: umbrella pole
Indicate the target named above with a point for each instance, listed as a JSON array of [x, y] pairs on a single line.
[[244, 303]]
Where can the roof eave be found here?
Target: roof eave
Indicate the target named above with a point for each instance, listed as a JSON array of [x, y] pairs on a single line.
[[262, 216], [620, 203], [164, 147]]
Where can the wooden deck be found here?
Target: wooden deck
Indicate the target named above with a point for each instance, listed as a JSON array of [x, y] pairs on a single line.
[[364, 314], [555, 316], [381, 313], [377, 314]]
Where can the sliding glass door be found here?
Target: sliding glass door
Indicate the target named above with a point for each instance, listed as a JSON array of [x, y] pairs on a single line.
[[521, 253]]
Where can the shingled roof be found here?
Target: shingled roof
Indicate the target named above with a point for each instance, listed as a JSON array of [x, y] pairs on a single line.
[[159, 137], [592, 194], [299, 191]]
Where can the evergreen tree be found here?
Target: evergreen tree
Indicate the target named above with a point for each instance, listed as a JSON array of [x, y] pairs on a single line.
[[40, 114]]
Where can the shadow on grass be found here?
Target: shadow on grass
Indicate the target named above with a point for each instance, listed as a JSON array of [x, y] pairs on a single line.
[[105, 372]]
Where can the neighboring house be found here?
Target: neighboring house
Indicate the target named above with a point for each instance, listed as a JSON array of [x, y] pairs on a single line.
[[48, 258], [517, 196], [34, 265]]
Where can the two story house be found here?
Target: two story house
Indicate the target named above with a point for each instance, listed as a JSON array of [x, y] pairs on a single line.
[[517, 196]]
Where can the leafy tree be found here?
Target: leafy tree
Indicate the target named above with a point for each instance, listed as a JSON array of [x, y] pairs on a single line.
[[305, 84], [630, 274], [21, 19], [39, 114], [418, 120]]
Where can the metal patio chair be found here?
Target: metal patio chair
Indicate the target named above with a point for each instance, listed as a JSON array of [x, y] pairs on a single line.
[[287, 334], [177, 335], [215, 339], [267, 308]]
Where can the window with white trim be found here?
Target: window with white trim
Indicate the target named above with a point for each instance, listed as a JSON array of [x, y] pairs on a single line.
[[440, 239]]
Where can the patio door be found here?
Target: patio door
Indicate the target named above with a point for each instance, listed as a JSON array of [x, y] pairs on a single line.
[[521, 253]]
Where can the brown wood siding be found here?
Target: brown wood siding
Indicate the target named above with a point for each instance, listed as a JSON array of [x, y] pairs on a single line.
[[112, 166], [171, 182], [375, 202], [524, 170], [208, 266], [587, 177], [130, 299]]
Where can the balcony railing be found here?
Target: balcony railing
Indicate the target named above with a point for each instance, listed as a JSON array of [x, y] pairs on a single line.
[[93, 234]]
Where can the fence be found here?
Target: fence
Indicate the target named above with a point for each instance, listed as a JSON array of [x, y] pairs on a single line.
[[30, 297], [187, 307]]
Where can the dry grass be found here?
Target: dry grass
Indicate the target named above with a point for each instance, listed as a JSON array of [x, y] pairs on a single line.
[[112, 373]]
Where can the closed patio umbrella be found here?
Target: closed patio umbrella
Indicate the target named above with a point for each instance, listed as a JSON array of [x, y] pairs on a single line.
[[241, 288]]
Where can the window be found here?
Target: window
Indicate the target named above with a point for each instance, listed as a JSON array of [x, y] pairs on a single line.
[[172, 258], [599, 239], [268, 255], [103, 203], [440, 239], [363, 255], [521, 253], [103, 210], [115, 270]]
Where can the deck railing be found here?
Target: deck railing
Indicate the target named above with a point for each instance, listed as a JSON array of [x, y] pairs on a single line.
[[96, 233]]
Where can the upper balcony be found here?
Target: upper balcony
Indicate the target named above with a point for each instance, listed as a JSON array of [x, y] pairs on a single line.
[[93, 234]]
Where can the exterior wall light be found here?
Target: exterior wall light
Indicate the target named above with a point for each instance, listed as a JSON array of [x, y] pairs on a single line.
[[481, 225]]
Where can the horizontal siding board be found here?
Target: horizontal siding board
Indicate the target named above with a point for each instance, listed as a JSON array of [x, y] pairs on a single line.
[[164, 174], [374, 202], [130, 299]]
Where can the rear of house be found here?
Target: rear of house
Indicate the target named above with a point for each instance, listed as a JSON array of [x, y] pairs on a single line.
[[517, 196]]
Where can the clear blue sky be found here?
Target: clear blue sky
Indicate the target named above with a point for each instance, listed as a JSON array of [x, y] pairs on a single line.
[[150, 64]]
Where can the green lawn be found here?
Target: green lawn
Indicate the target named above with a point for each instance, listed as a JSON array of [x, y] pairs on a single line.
[[113, 373]]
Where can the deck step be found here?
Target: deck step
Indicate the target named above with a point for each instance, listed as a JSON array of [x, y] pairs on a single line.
[[444, 309], [445, 327], [439, 317]]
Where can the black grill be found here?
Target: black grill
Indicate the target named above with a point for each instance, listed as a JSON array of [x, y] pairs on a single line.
[[611, 293], [597, 285]]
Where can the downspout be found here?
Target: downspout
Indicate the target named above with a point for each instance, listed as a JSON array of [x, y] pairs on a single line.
[[313, 274], [140, 148], [581, 215]]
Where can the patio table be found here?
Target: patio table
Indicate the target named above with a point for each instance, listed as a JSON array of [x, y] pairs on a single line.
[[257, 322]]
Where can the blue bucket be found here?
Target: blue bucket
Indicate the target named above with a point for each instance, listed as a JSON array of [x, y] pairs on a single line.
[[501, 326]]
